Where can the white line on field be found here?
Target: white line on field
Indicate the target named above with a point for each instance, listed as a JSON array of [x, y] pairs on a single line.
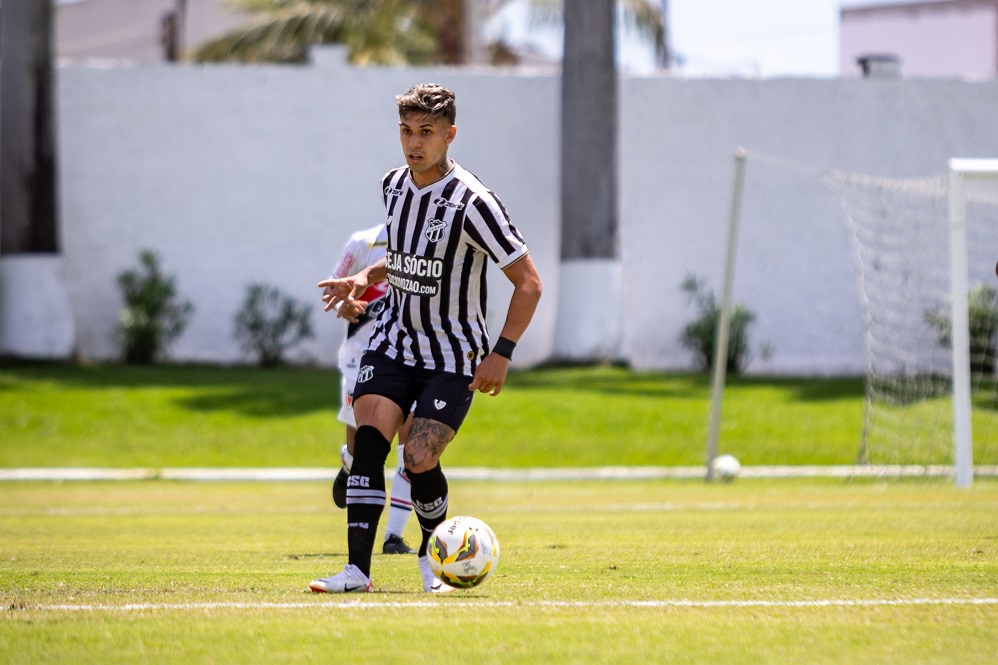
[[480, 473], [356, 604]]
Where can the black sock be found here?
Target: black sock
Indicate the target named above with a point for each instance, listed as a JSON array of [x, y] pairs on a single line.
[[429, 501], [366, 495]]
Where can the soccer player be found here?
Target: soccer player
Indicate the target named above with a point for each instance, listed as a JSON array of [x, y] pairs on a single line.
[[430, 345], [362, 249]]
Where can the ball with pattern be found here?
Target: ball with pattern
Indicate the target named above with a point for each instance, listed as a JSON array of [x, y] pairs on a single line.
[[463, 551]]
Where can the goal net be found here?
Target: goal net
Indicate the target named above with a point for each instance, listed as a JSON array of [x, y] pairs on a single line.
[[913, 268]]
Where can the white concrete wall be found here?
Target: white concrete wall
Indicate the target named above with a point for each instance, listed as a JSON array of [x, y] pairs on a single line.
[[239, 174], [794, 264], [242, 174], [35, 320]]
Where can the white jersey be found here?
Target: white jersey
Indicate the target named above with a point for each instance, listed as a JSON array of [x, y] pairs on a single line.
[[362, 249], [439, 238]]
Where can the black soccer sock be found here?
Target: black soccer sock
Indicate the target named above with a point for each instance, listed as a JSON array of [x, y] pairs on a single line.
[[429, 501], [366, 495]]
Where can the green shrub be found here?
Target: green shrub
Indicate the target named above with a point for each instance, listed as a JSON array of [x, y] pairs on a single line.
[[270, 323], [152, 317], [700, 335], [982, 312]]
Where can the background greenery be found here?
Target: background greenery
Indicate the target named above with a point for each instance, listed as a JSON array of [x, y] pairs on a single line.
[[170, 415]]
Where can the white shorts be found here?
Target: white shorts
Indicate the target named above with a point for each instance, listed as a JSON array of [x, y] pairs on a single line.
[[351, 351]]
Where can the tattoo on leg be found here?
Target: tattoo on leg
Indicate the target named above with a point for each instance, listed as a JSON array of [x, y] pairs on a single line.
[[427, 440]]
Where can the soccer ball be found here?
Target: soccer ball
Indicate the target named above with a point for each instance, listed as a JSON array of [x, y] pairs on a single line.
[[463, 551], [726, 467]]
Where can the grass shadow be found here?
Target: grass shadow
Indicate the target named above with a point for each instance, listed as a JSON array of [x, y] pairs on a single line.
[[247, 390]]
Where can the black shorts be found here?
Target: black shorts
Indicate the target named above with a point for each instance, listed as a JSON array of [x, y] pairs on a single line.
[[440, 396]]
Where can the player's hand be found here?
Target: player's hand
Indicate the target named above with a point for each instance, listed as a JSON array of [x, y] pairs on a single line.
[[337, 291], [349, 310], [352, 310], [491, 375]]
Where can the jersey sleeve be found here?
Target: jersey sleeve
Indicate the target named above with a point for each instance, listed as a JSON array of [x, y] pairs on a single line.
[[488, 226], [349, 260]]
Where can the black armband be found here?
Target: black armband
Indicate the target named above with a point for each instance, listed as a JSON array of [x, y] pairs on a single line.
[[504, 347]]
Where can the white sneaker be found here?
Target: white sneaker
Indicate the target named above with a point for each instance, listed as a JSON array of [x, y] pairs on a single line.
[[347, 581], [431, 583]]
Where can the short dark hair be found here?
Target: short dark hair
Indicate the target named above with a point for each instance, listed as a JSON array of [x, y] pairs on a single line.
[[430, 99]]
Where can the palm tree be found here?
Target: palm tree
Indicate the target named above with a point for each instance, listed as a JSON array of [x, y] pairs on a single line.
[[589, 132], [376, 32], [27, 179], [384, 32]]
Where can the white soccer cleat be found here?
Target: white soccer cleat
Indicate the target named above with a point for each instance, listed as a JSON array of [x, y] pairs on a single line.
[[431, 583], [349, 580]]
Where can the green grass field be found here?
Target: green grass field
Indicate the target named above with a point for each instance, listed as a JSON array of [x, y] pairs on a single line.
[[673, 571], [169, 416], [756, 571], [54, 415]]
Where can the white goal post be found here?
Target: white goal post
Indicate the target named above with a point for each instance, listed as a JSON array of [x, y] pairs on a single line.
[[925, 249], [724, 318], [961, 170]]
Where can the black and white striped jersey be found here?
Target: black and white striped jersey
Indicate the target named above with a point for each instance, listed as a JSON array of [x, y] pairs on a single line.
[[439, 239]]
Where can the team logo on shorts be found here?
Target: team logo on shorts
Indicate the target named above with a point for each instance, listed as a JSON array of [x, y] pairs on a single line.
[[365, 374], [439, 403], [435, 230]]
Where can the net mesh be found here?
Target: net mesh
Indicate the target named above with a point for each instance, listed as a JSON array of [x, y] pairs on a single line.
[[900, 235]]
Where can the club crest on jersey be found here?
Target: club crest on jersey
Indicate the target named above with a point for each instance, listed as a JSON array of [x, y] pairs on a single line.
[[365, 374], [444, 203], [435, 230]]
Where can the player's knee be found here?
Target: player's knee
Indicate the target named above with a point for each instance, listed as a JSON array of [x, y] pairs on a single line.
[[417, 462], [371, 444]]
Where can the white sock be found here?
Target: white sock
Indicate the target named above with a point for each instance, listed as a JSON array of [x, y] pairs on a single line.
[[400, 507], [346, 459]]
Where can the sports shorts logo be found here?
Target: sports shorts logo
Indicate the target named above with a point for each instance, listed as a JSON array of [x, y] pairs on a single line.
[[435, 230], [444, 203], [439, 403], [365, 374]]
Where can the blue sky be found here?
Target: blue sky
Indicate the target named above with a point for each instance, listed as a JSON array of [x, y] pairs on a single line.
[[757, 37]]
